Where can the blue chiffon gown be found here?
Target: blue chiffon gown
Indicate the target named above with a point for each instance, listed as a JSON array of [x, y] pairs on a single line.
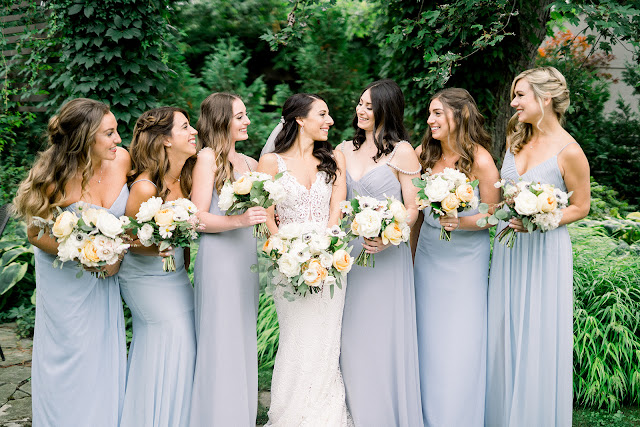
[[79, 352], [529, 360], [379, 356], [225, 390], [163, 349], [451, 279]]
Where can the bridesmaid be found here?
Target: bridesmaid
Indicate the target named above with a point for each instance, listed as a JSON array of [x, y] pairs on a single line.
[[379, 357], [529, 364], [79, 355], [225, 390], [163, 349], [451, 276]]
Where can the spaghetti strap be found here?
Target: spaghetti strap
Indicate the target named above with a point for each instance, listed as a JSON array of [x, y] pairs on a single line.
[[247, 163], [342, 146], [140, 180], [397, 168], [573, 142]]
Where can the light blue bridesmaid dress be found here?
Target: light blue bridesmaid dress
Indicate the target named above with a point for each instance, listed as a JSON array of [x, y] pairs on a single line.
[[79, 351], [225, 390], [163, 349], [379, 356], [529, 358], [451, 303]]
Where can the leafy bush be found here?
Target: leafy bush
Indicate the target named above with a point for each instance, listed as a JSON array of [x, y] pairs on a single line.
[[17, 267], [268, 332], [606, 319]]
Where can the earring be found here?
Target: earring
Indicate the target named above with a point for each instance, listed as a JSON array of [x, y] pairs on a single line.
[[301, 129], [169, 145]]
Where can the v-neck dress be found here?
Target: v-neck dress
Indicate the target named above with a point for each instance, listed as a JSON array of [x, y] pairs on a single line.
[[530, 324], [79, 351]]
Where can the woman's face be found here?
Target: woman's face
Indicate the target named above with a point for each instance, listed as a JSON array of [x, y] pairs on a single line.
[[440, 121], [525, 103], [183, 136], [364, 111], [107, 138], [318, 121], [239, 121]]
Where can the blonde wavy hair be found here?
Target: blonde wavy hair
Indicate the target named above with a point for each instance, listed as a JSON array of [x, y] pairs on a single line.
[[71, 135], [546, 82], [214, 131], [149, 154], [469, 131]]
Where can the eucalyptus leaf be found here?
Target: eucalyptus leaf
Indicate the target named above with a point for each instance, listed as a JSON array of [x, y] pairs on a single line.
[[483, 208]]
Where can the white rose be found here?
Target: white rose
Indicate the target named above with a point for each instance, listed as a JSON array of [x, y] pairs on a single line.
[[454, 176], [226, 198], [180, 214], [109, 225], [398, 210], [260, 176], [289, 265], [106, 249], [64, 224], [276, 191], [145, 234], [437, 189], [319, 243], [368, 222], [326, 259], [290, 231], [526, 203], [67, 250], [90, 216], [149, 209], [187, 205], [406, 233]]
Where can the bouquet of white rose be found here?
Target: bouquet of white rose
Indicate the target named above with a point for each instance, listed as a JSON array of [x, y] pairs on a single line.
[[447, 193], [94, 239], [252, 189], [167, 224], [538, 206], [371, 218], [307, 259]]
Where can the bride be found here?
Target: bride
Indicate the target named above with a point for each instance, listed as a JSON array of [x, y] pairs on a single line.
[[307, 387]]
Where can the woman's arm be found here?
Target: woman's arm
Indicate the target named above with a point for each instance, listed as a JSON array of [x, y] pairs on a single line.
[[202, 192], [47, 243], [269, 164], [406, 160], [575, 171], [139, 193], [338, 190]]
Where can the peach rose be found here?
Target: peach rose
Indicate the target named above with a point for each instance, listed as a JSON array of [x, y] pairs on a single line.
[[546, 202], [314, 273], [90, 252], [164, 217], [342, 261], [273, 243], [393, 234], [450, 203], [465, 192], [243, 185], [64, 224]]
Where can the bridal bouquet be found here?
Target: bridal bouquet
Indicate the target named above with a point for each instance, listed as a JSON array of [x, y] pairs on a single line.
[[447, 193], [371, 218], [167, 224], [94, 238], [538, 206], [252, 189], [307, 259]]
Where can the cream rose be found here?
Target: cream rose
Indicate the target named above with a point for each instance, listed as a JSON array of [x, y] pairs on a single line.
[[148, 209], [437, 189], [319, 243], [368, 222], [546, 202], [145, 234], [90, 216], [226, 197], [314, 273], [164, 217], [109, 225], [450, 203], [393, 234], [398, 211], [342, 261], [289, 265], [65, 222], [465, 192], [422, 203], [273, 243], [243, 185], [89, 254], [526, 203]]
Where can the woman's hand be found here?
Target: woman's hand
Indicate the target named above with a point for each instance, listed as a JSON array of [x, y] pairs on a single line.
[[517, 225], [109, 270], [450, 223], [374, 246], [170, 251], [253, 216]]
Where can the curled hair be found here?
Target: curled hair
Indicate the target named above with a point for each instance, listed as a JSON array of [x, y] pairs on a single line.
[[469, 131], [546, 82], [71, 135], [387, 101], [214, 131], [148, 153], [299, 105]]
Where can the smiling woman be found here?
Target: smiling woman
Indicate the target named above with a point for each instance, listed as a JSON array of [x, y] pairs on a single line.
[[78, 342]]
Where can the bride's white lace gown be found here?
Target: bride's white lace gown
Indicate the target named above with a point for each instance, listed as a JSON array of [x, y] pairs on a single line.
[[307, 387]]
